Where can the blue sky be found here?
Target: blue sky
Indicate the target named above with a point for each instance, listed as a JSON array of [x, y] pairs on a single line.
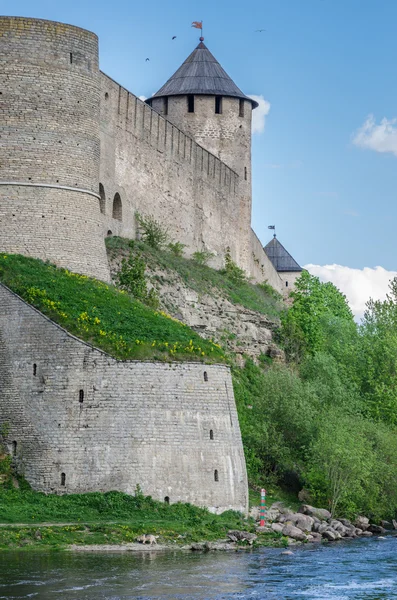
[[323, 65]]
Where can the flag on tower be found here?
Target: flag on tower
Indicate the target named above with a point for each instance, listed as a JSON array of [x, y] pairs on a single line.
[[197, 24], [271, 227]]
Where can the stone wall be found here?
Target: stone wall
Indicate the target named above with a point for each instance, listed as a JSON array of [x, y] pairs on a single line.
[[158, 169], [49, 144], [83, 421]]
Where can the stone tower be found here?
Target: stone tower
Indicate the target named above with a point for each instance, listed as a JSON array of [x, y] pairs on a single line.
[[49, 144], [202, 100]]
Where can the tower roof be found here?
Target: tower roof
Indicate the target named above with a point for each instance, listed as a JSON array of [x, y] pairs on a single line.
[[281, 259], [201, 74]]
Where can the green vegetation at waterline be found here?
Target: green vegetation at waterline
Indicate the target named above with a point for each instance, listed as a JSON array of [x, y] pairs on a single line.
[[109, 518], [103, 315], [327, 420]]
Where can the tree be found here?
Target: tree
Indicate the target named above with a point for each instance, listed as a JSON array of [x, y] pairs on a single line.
[[316, 307]]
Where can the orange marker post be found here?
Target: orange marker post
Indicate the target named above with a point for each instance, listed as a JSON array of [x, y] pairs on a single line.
[[263, 508]]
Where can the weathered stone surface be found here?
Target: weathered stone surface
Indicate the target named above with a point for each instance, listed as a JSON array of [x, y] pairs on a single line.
[[320, 513], [362, 523], [293, 532], [139, 423], [277, 527], [376, 529], [330, 535], [236, 535]]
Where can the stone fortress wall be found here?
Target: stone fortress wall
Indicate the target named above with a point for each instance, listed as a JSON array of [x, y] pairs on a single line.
[[79, 420], [49, 144], [156, 168]]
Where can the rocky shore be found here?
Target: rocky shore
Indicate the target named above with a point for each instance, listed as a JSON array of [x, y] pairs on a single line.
[[312, 524]]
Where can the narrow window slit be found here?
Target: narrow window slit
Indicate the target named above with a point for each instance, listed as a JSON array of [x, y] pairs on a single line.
[[81, 396], [241, 108], [71, 57], [63, 479], [216, 476], [205, 376], [211, 434], [218, 105], [34, 369], [190, 103], [14, 448]]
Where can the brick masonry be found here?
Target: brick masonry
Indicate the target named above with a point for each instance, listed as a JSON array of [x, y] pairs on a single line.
[[108, 424]]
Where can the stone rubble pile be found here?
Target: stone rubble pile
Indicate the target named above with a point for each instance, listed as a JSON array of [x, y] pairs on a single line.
[[312, 524]]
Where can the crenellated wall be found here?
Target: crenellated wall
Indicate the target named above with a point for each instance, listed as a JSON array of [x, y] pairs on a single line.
[[106, 424]]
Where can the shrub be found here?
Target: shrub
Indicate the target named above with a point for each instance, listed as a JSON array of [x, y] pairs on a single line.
[[203, 257], [176, 248], [153, 233], [132, 279], [232, 271]]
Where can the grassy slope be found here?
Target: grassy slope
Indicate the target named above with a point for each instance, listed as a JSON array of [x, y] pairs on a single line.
[[102, 315], [111, 320], [204, 279]]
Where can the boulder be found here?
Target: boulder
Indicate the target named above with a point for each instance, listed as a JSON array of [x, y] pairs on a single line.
[[387, 525], [346, 523], [239, 536], [330, 535], [293, 532], [320, 513], [304, 522], [394, 524], [362, 523], [322, 527], [376, 529], [366, 533], [255, 513], [316, 537], [278, 527], [287, 553]]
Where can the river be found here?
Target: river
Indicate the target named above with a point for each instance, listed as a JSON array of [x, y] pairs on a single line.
[[362, 568]]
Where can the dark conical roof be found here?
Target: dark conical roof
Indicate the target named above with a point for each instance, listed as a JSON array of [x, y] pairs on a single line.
[[280, 258], [201, 74]]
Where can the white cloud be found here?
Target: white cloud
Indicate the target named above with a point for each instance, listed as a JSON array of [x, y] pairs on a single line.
[[259, 114], [143, 98], [381, 138], [358, 285]]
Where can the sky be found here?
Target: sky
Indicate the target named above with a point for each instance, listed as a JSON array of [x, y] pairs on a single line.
[[325, 133]]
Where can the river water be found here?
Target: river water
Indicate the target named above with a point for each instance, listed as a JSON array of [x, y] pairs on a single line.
[[344, 570]]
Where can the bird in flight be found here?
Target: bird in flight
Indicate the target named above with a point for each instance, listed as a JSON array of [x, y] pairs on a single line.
[[146, 59], [174, 37], [260, 30]]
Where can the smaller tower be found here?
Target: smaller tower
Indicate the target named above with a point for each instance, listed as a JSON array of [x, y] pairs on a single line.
[[285, 265], [202, 100]]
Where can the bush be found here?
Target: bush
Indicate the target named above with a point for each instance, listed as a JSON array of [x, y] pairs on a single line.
[[177, 248], [203, 257], [153, 233], [232, 271]]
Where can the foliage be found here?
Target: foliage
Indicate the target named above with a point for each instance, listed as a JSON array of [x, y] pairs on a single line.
[[176, 248], [152, 231], [102, 315], [315, 306], [232, 271], [109, 518], [378, 356], [131, 278], [202, 257]]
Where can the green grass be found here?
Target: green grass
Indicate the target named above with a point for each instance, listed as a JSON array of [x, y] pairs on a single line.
[[110, 518], [102, 315], [204, 279]]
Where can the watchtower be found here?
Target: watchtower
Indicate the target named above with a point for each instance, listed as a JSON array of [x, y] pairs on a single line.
[[49, 144], [203, 101]]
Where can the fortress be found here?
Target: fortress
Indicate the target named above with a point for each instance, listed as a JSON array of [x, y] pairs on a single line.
[[79, 156]]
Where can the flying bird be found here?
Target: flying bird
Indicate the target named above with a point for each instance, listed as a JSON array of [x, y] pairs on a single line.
[[174, 37], [260, 30], [146, 59]]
